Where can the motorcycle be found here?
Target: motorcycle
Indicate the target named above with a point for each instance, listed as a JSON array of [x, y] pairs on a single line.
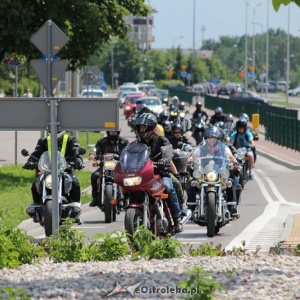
[[42, 213], [109, 193], [211, 179], [198, 127], [242, 159], [145, 200], [178, 117]]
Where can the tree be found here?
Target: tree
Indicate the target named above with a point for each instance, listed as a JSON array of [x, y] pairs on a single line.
[[277, 3], [89, 25]]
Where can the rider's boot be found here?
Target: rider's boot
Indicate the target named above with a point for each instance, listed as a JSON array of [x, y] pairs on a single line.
[[177, 225]]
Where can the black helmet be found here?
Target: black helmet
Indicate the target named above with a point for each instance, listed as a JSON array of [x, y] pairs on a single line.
[[167, 126], [139, 101], [113, 137], [229, 117], [198, 104], [164, 115], [244, 115], [146, 119], [242, 123], [212, 131], [218, 111], [177, 126], [181, 105]]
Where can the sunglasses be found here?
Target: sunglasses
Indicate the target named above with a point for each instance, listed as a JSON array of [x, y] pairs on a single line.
[[175, 132]]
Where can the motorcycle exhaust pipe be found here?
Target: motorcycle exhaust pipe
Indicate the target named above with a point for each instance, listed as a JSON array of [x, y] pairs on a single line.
[[187, 217]]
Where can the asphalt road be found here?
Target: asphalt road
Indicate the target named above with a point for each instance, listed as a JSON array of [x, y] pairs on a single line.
[[266, 201]]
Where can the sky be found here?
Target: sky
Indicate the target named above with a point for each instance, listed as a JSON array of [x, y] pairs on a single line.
[[174, 21]]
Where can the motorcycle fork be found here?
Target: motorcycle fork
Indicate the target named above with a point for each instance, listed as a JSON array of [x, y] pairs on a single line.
[[102, 190], [145, 211]]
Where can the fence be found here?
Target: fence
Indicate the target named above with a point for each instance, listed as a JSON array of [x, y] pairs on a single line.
[[281, 125]]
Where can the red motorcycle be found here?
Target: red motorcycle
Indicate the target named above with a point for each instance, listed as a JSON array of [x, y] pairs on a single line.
[[145, 200]]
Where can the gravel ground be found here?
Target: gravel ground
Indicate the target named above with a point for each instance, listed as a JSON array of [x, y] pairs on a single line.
[[243, 277]]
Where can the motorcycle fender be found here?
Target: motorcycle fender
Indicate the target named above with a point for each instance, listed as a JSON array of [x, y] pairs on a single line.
[[211, 189]]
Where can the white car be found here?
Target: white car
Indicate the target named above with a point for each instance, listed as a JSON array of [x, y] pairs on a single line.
[[294, 92], [153, 103], [92, 93]]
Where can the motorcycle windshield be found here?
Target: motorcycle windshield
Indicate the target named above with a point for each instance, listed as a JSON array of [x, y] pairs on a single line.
[[134, 157], [207, 159], [45, 162]]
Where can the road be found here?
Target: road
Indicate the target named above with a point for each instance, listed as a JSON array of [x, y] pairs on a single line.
[[266, 201]]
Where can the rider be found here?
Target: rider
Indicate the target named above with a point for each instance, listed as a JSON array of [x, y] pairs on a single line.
[[68, 146], [177, 139], [212, 148], [175, 103], [165, 123], [218, 116], [112, 143], [145, 130], [140, 108], [199, 113], [244, 138]]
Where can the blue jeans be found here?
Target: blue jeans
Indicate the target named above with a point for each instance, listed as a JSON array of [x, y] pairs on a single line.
[[172, 199]]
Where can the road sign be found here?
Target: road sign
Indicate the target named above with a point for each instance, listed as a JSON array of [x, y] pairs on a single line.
[[88, 114], [40, 68], [58, 38], [183, 74]]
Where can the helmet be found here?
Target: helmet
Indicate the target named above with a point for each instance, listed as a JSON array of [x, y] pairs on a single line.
[[159, 130], [244, 115], [229, 117], [177, 126], [167, 126], [181, 105], [113, 136], [175, 98], [146, 119], [138, 101], [218, 111], [212, 131], [241, 123], [164, 115], [198, 104], [60, 133]]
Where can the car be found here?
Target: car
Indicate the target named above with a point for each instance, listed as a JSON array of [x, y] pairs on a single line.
[[223, 90], [153, 103], [261, 87], [122, 96], [161, 94], [129, 104], [92, 93], [249, 96], [294, 92], [128, 88]]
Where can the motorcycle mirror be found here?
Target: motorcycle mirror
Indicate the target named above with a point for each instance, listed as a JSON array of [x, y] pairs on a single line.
[[24, 152], [81, 151]]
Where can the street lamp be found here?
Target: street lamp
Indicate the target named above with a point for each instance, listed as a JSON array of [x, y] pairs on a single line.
[[253, 40], [173, 45], [262, 48]]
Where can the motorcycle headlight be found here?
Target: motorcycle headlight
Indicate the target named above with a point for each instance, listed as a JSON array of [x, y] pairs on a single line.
[[48, 181], [182, 115], [132, 181], [173, 113], [197, 173], [211, 176], [109, 165], [67, 183]]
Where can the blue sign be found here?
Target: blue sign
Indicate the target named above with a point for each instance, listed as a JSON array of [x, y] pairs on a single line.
[[101, 76], [53, 58], [183, 74]]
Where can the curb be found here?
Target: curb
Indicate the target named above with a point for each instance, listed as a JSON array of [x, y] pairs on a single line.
[[280, 161]]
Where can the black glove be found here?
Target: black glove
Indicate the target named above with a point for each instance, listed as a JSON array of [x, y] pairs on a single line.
[[78, 164], [30, 165], [177, 177], [163, 165]]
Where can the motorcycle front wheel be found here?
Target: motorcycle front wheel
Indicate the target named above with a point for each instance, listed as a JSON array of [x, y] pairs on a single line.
[[48, 217], [109, 210], [211, 214]]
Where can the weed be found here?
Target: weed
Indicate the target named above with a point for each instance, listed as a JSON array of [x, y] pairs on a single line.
[[109, 246], [152, 247], [207, 250], [200, 284], [15, 293], [68, 245]]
